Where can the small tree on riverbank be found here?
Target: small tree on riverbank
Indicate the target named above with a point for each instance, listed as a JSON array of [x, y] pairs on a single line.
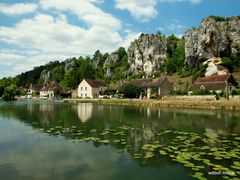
[[132, 91], [9, 93]]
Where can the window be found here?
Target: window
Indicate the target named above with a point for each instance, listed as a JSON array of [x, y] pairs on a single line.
[[81, 94], [85, 88], [81, 88], [86, 95]]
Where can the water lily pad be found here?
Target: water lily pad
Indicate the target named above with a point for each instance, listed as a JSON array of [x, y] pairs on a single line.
[[93, 130], [236, 163], [162, 152], [116, 141], [148, 155], [235, 167], [199, 175], [105, 141]]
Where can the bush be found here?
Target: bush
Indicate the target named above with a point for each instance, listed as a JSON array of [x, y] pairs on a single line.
[[179, 92], [1, 91], [132, 91], [227, 62], [235, 92], [9, 93], [222, 94], [201, 92], [218, 18]]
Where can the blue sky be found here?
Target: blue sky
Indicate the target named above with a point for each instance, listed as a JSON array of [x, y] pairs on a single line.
[[34, 32]]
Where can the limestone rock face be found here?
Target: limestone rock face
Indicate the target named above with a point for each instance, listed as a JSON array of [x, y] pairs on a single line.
[[45, 75], [147, 53], [112, 59], [215, 67], [69, 66], [214, 38]]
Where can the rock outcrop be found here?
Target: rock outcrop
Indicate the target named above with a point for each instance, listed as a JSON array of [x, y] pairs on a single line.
[[69, 66], [45, 75], [110, 61], [215, 37], [214, 67], [147, 53]]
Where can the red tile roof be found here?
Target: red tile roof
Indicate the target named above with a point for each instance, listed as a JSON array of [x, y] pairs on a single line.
[[146, 82], [215, 82], [214, 78], [95, 83], [36, 87], [50, 86]]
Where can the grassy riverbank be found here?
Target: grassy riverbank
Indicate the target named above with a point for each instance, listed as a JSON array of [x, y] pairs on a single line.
[[220, 104]]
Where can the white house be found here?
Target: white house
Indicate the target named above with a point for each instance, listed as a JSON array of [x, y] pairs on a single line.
[[34, 90], [50, 90], [91, 88]]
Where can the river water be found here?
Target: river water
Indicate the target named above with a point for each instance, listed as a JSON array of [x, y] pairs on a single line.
[[46, 140]]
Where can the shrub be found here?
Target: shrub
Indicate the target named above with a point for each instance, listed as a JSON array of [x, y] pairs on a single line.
[[132, 91], [9, 93], [227, 62], [235, 92], [201, 92], [222, 93]]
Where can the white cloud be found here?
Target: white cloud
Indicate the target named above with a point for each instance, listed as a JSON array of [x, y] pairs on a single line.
[[86, 11], [145, 10], [17, 9], [44, 38], [97, 1], [175, 26], [130, 37], [142, 10], [172, 27]]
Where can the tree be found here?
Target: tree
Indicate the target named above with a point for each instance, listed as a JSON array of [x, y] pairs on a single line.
[[58, 73], [1, 90], [227, 62], [132, 91], [10, 93]]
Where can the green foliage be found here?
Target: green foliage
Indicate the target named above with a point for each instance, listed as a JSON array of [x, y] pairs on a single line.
[[109, 92], [179, 92], [235, 92], [1, 90], [120, 67], [236, 60], [58, 73], [132, 91], [199, 73], [222, 94], [9, 93], [227, 62], [185, 72], [201, 91], [218, 18], [176, 55]]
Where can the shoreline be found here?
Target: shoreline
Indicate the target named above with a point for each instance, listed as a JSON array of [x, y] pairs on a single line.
[[218, 104]]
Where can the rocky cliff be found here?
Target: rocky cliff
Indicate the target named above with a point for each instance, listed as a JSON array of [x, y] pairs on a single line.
[[216, 37], [110, 61], [147, 53]]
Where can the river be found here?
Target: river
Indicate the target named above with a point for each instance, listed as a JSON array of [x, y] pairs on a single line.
[[46, 140]]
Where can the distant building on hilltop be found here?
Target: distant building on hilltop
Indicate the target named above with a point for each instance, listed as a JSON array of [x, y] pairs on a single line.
[[89, 88]]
